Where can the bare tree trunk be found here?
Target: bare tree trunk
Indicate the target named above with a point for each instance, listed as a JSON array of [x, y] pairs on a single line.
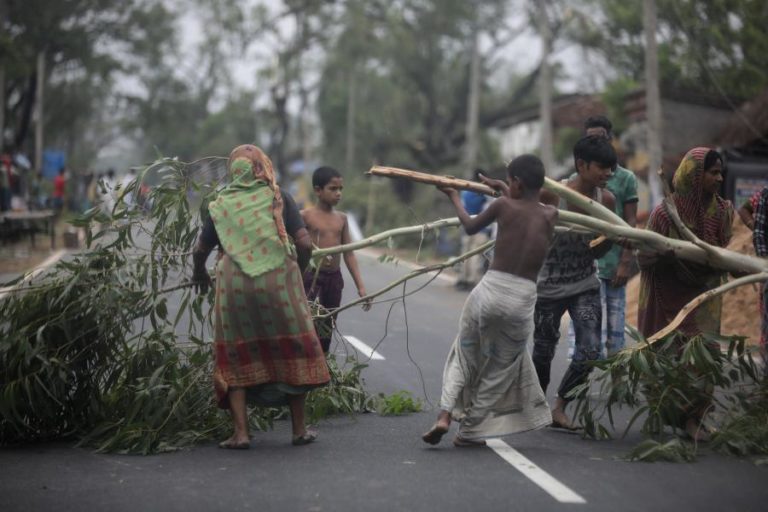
[[2, 106], [545, 87], [370, 210], [40, 120], [349, 156], [2, 79], [652, 102], [473, 100]]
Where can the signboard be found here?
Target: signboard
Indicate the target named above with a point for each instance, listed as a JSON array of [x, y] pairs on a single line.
[[745, 187]]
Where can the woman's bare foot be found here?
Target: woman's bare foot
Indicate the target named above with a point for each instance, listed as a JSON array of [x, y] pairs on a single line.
[[236, 442], [561, 420], [697, 430]]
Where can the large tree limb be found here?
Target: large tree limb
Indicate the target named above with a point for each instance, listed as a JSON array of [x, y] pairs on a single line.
[[602, 220], [593, 207]]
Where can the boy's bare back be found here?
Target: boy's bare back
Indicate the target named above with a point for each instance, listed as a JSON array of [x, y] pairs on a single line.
[[525, 229], [327, 229]]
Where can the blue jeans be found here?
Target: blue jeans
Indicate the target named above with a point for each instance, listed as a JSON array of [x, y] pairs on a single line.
[[586, 316], [613, 301]]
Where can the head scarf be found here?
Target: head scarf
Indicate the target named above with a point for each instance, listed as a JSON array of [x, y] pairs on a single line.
[[710, 217], [248, 213]]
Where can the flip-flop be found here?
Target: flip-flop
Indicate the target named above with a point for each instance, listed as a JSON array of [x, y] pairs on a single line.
[[557, 424], [461, 442], [307, 437], [435, 434], [229, 445]]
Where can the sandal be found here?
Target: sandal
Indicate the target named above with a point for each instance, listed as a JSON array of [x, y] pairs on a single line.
[[307, 437]]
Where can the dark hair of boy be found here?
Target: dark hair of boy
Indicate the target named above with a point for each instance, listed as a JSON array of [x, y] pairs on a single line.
[[529, 170], [594, 148], [323, 175], [599, 122]]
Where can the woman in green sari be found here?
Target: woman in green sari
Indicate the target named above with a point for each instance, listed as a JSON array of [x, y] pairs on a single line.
[[266, 350]]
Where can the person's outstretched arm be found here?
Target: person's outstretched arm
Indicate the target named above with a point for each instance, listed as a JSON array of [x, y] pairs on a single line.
[[351, 261], [205, 244], [303, 248], [474, 224], [609, 201], [746, 215]]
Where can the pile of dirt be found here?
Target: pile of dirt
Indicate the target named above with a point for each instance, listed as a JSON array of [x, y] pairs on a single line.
[[740, 306]]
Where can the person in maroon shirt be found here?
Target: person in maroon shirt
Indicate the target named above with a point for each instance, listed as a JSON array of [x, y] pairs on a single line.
[[59, 186]]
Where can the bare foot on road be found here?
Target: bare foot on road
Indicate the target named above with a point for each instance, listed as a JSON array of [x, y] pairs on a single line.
[[435, 434], [236, 443], [461, 442], [439, 429]]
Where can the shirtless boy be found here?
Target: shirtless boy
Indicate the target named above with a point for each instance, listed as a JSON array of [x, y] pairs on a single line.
[[489, 382], [328, 228], [568, 279]]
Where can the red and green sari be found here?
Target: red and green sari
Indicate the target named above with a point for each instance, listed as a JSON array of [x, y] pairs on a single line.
[[264, 338], [668, 285]]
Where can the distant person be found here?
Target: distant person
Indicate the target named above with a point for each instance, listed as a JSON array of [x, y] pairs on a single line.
[[472, 268], [6, 172], [667, 283], [36, 200], [329, 227], [59, 190], [747, 210], [615, 268], [489, 382], [126, 190], [760, 241], [568, 280], [265, 346], [107, 192]]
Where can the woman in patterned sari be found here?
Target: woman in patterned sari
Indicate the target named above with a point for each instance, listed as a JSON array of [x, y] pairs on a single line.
[[666, 283], [266, 350]]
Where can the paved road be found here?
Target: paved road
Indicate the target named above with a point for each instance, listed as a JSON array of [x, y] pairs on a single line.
[[379, 463]]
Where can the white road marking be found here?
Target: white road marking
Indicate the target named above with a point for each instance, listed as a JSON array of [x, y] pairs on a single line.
[[537, 475], [50, 260], [364, 349]]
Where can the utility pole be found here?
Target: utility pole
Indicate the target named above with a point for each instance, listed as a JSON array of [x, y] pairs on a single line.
[[473, 100], [39, 114], [652, 102], [2, 79], [545, 87]]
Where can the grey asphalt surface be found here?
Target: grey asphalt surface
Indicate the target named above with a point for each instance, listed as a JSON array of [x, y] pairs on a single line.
[[369, 462]]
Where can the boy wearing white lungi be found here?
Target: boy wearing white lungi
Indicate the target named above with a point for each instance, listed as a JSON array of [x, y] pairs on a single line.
[[489, 382]]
